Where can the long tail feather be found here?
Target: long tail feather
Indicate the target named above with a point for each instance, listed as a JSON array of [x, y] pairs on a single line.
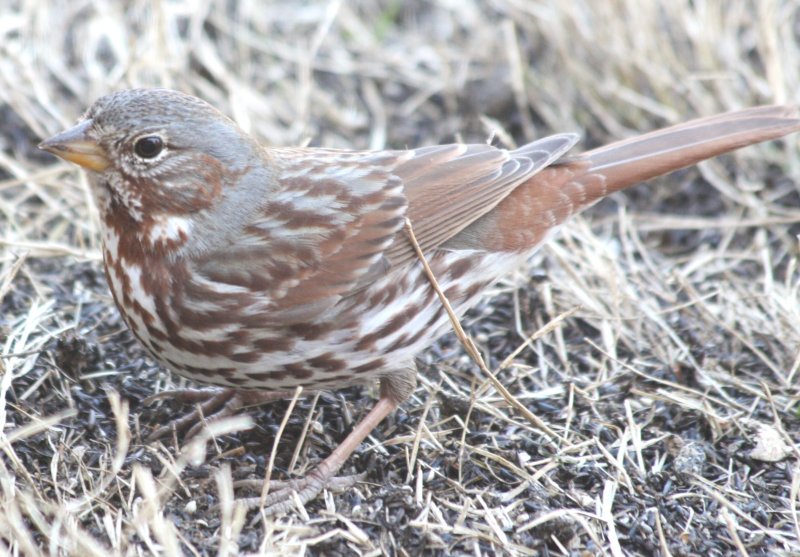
[[627, 162], [563, 189]]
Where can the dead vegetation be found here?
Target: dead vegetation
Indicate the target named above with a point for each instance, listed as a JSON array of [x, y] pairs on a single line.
[[668, 383]]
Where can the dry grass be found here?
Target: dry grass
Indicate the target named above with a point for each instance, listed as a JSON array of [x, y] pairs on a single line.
[[667, 387]]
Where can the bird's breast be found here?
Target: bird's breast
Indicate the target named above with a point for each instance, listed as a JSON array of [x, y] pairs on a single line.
[[223, 334]]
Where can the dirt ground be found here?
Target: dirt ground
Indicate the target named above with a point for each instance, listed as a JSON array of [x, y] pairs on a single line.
[[666, 383]]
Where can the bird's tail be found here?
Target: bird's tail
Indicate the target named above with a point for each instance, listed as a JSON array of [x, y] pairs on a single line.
[[634, 160], [523, 218]]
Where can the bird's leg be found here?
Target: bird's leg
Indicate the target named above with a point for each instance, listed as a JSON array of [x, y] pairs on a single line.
[[211, 404], [394, 390]]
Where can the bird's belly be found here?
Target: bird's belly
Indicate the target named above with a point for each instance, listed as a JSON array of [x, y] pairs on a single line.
[[368, 334]]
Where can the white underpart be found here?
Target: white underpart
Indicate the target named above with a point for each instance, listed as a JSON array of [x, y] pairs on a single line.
[[126, 194], [214, 334], [203, 283], [148, 303], [341, 342], [496, 265], [111, 242], [168, 229]]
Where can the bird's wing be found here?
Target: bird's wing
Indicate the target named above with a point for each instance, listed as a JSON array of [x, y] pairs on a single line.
[[335, 223], [450, 186]]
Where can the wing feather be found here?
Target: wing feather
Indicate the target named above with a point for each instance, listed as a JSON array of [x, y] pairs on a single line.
[[336, 219], [450, 186]]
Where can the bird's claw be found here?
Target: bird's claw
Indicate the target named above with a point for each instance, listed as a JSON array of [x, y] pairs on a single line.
[[285, 495]]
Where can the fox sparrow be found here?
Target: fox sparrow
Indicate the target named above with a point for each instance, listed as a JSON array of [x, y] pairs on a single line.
[[263, 269]]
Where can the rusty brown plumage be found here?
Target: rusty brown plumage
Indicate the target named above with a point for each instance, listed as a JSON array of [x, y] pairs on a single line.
[[262, 269]]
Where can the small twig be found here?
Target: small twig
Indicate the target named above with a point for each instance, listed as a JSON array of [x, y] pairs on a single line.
[[22, 354], [418, 438], [469, 345], [662, 540], [546, 329], [304, 433], [731, 524], [274, 452]]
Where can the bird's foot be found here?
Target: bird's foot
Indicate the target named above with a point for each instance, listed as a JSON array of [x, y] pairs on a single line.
[[213, 404], [285, 495]]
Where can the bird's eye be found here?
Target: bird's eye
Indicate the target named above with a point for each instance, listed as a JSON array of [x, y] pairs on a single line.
[[149, 146]]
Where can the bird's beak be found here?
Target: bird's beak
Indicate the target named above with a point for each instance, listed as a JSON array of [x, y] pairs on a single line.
[[76, 145]]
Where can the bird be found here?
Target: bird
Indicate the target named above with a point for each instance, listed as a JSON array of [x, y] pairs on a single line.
[[260, 269]]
